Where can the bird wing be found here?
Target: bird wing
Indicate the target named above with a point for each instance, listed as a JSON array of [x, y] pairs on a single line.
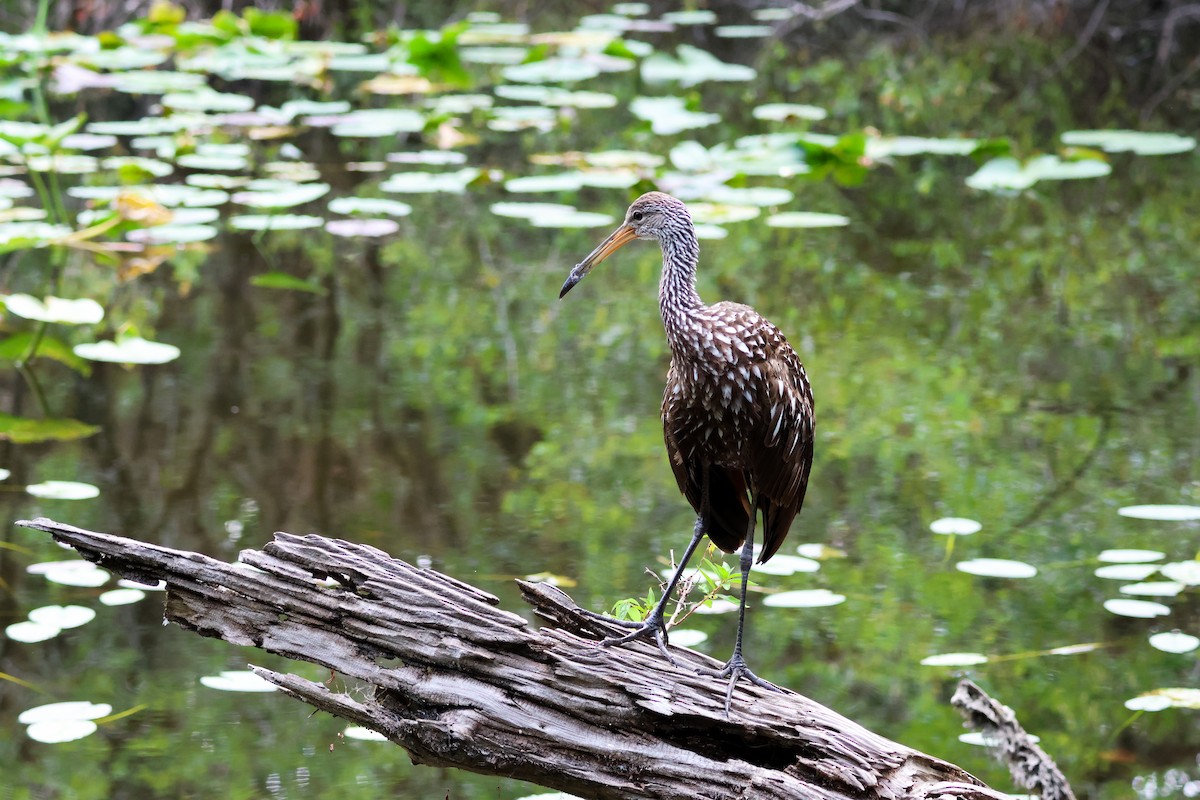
[[728, 503], [781, 454]]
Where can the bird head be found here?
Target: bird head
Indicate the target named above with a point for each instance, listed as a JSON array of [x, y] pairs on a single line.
[[651, 216]]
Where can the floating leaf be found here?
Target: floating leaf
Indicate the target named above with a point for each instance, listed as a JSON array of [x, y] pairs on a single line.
[[551, 70], [668, 115], [369, 205], [1154, 589], [955, 526], [29, 632], [274, 222], [744, 31], [84, 311], [121, 597], [783, 564], [806, 219], [22, 430], [56, 712], [719, 606], [1187, 572], [954, 660], [423, 182], [997, 568], [779, 112], [1141, 609], [362, 734], [1130, 556], [719, 214], [63, 617], [1140, 143], [1160, 699], [362, 227], [1166, 513], [804, 598], [1126, 572], [63, 490], [281, 194], [128, 350], [238, 681], [75, 572], [818, 551], [692, 66], [688, 637], [1174, 642]]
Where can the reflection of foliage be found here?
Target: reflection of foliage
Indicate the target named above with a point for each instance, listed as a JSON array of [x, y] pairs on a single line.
[[436, 55]]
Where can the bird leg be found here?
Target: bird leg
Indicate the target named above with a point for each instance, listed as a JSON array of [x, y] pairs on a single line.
[[736, 667], [655, 623]]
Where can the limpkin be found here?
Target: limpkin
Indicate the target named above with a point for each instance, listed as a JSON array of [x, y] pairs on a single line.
[[737, 413]]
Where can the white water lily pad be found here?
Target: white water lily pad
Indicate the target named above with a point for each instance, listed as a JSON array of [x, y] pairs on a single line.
[[274, 222], [1166, 513], [369, 206], [64, 617], [1009, 174], [1159, 699], [1074, 649], [1187, 572], [980, 739], [744, 31], [804, 598], [83, 311], [954, 660], [918, 145], [60, 731], [955, 526], [204, 99], [806, 219], [121, 597], [1142, 143], [1140, 609], [173, 234], [997, 568], [72, 573], [157, 586], [704, 231], [30, 632], [378, 122], [63, 490], [281, 194], [784, 564], [688, 637], [558, 182], [719, 606], [359, 226], [552, 70], [56, 712], [720, 214], [1174, 642], [523, 210], [669, 115], [1126, 572], [424, 182], [1130, 556], [760, 196], [361, 734], [572, 219], [238, 681], [128, 350], [818, 551], [1153, 589], [779, 112]]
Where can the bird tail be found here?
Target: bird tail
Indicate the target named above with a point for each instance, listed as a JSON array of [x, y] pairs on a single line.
[[729, 508]]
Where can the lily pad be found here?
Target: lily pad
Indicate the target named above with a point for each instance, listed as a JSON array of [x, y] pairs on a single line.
[[1142, 143], [121, 597], [128, 350], [955, 526], [954, 660], [997, 568], [83, 311], [783, 564], [1174, 642], [1187, 572], [1154, 589], [274, 222], [780, 112], [362, 734], [1126, 572], [668, 115], [60, 731], [362, 227], [425, 182], [806, 219], [1130, 556], [1161, 699], [552, 70], [64, 617], [369, 205], [692, 66], [56, 712], [1141, 609], [76, 572], [1165, 513], [29, 632], [688, 637], [804, 598], [238, 681], [63, 490]]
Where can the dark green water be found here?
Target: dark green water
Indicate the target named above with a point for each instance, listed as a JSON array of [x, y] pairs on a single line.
[[1024, 359]]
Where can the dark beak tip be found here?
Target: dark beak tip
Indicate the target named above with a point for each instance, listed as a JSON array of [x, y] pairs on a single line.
[[571, 280]]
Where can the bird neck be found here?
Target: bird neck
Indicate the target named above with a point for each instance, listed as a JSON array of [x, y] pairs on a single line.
[[677, 297]]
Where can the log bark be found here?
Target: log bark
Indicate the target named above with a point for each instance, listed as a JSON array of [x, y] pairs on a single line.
[[460, 682]]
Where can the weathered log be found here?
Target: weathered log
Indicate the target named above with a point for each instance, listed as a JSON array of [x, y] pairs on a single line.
[[460, 682]]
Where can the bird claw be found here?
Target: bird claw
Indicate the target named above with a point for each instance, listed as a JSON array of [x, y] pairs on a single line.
[[653, 626], [735, 669]]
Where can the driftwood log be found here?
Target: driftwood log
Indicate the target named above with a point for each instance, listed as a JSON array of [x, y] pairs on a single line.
[[459, 682]]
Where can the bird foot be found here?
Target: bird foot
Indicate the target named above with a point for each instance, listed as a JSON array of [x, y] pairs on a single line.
[[735, 669], [652, 627]]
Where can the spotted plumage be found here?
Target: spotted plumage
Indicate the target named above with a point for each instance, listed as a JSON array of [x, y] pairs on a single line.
[[737, 411]]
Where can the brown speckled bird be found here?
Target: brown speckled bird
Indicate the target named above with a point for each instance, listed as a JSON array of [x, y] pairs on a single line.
[[737, 411]]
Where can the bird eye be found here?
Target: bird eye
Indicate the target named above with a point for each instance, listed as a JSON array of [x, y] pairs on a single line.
[[637, 216]]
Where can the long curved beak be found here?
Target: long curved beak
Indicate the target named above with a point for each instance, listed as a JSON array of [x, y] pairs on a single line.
[[619, 238]]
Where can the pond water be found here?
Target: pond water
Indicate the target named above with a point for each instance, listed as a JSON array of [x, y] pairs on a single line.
[[317, 291]]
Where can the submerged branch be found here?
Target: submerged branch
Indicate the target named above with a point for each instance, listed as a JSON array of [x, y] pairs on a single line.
[[460, 682]]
